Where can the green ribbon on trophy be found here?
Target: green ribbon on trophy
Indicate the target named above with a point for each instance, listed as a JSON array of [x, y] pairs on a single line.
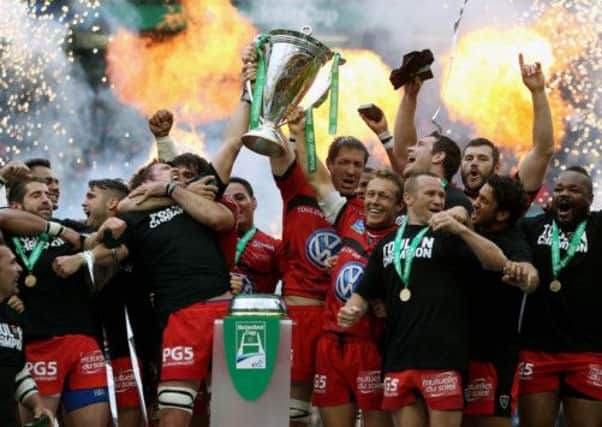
[[259, 81], [30, 262], [310, 136], [334, 94], [310, 141], [251, 348], [559, 263]]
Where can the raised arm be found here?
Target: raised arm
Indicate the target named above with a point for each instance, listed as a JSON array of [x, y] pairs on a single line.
[[533, 167], [381, 130], [320, 179], [239, 122], [160, 125], [405, 134]]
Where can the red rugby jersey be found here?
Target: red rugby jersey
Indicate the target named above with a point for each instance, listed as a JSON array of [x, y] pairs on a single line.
[[357, 243], [258, 264], [308, 239]]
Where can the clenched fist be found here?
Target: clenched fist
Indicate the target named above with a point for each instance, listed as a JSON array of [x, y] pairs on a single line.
[[160, 123]]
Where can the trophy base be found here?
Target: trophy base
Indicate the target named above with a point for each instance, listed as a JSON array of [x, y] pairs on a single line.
[[264, 140]]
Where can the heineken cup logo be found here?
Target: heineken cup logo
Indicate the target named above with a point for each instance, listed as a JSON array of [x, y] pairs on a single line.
[[250, 345]]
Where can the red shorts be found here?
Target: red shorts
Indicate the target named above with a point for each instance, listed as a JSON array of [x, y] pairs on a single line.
[[307, 326], [347, 370], [188, 341], [68, 362], [542, 372], [441, 390], [125, 383], [492, 388]]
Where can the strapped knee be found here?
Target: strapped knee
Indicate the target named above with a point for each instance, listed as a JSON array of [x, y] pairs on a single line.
[[299, 411], [174, 397]]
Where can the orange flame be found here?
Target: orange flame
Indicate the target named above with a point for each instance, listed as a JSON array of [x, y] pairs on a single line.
[[485, 88], [195, 73], [363, 79]]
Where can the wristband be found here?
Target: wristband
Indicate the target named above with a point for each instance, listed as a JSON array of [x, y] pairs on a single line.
[[54, 229], [385, 136], [388, 145]]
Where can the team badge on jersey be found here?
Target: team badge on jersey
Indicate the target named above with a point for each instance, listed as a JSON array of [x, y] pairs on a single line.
[[321, 245], [248, 285], [358, 226], [347, 280]]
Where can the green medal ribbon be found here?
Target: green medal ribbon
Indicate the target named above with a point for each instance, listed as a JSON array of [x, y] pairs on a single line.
[[242, 243], [310, 141], [31, 261], [334, 94], [259, 81], [404, 273], [558, 263]]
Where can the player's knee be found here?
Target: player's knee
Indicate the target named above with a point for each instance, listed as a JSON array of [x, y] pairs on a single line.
[[174, 397], [299, 411]]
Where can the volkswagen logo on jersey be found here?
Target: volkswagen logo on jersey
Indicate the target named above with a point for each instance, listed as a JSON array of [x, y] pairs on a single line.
[[321, 245], [347, 280]]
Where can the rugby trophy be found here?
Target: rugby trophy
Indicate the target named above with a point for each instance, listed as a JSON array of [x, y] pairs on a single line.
[[289, 62]]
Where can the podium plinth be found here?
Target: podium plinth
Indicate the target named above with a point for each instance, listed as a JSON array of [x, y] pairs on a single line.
[[250, 381]]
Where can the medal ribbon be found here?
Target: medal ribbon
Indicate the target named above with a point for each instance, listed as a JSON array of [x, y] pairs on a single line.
[[310, 141], [558, 263], [334, 95], [404, 273], [242, 243], [31, 261], [257, 102]]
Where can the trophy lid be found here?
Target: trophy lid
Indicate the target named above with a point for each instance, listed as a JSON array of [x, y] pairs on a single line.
[[302, 39], [258, 305]]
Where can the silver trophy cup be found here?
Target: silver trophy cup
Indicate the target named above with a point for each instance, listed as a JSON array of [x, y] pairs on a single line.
[[293, 60]]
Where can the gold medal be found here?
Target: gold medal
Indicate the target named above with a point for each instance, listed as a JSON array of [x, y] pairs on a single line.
[[555, 286], [405, 295], [30, 280]]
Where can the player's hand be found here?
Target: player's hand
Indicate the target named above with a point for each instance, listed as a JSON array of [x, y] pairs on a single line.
[[236, 283], [348, 315], [520, 275], [72, 236], [15, 170], [444, 221], [40, 411], [412, 88], [296, 121], [65, 266], [249, 54], [204, 187], [16, 304], [150, 189], [160, 123], [377, 127], [532, 75], [114, 225]]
